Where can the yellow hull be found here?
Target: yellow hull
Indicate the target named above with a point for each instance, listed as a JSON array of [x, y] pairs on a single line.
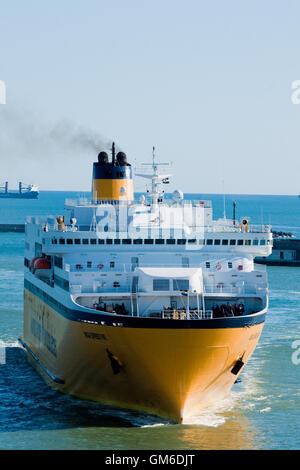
[[168, 372]]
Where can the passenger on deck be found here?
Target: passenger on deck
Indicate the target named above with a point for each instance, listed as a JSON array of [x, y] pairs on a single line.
[[216, 311], [241, 309], [235, 310], [223, 310], [120, 309], [229, 311]]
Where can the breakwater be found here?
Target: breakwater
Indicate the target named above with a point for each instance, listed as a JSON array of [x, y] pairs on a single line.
[[13, 228], [286, 252]]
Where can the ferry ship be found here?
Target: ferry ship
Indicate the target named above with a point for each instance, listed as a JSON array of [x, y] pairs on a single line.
[[24, 192], [149, 305]]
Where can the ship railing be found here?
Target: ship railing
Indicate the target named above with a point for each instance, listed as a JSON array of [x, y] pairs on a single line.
[[259, 228], [235, 288], [214, 228], [230, 228], [188, 202], [98, 289], [184, 314], [80, 201], [218, 288], [260, 267]]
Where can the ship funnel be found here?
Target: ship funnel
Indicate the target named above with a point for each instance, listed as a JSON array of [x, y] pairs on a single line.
[[112, 181]]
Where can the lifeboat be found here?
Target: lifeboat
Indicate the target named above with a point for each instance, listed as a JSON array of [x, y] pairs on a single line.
[[41, 267], [33, 261]]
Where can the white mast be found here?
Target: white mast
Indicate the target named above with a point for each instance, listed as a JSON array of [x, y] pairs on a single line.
[[156, 179]]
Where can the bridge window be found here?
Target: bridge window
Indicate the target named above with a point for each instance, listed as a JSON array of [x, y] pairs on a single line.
[[192, 241], [109, 241], [181, 284], [100, 241], [224, 242], [240, 242], [248, 242], [148, 241], [159, 241], [229, 264], [232, 242], [58, 262], [209, 242], [85, 241], [161, 284], [89, 264], [93, 241], [117, 241], [171, 241], [112, 264], [126, 241], [181, 241], [61, 241], [138, 241], [77, 241], [201, 242], [69, 241], [255, 242], [207, 264], [262, 242]]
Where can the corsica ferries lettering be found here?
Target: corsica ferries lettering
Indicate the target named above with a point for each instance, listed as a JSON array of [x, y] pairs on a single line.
[[44, 336]]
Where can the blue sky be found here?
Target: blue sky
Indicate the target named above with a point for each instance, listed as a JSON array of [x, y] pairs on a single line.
[[207, 82]]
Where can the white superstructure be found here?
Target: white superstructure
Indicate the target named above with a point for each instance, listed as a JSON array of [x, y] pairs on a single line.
[[158, 257]]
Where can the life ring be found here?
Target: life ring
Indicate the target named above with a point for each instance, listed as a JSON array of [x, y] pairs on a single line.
[[100, 266], [219, 266]]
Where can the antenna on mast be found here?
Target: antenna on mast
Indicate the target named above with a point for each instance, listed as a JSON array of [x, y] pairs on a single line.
[[234, 212], [156, 178], [153, 156], [93, 226]]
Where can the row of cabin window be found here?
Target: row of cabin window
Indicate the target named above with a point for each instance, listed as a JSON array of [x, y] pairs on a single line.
[[157, 241], [164, 284], [89, 264], [59, 263]]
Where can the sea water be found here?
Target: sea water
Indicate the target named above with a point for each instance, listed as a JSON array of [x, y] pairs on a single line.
[[261, 412]]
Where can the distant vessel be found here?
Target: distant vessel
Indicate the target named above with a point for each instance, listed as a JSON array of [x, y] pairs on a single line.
[[25, 192]]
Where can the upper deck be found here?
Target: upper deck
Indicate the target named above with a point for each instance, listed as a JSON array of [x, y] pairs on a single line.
[[113, 222]]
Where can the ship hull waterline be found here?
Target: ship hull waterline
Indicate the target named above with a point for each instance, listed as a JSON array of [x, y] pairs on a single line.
[[168, 372]]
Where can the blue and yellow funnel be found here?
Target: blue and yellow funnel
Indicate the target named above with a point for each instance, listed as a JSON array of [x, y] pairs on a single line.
[[112, 181]]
